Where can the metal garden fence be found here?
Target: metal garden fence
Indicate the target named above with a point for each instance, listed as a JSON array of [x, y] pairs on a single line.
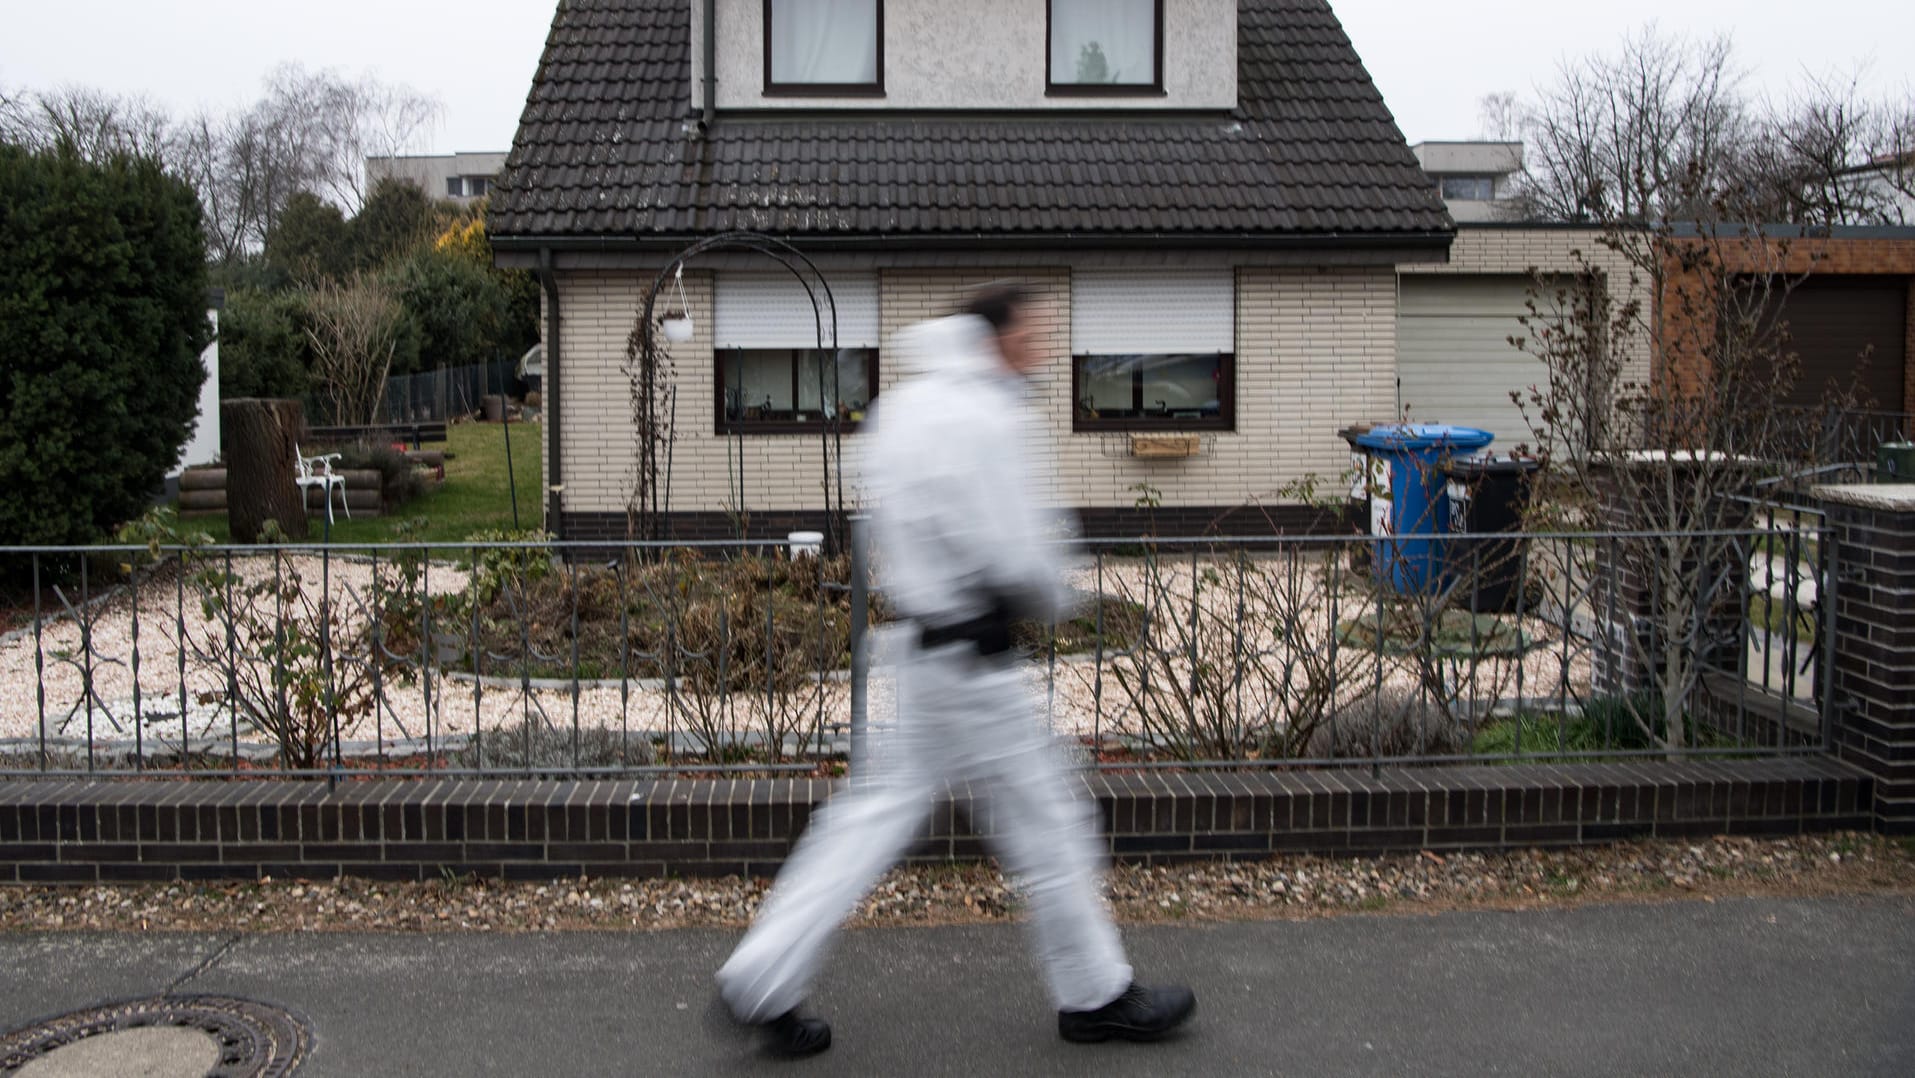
[[579, 659], [435, 396]]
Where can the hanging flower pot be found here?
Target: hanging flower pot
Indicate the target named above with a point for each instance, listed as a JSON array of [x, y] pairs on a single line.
[[677, 328]]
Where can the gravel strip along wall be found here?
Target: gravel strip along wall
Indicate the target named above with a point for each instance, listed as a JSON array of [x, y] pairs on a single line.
[[85, 832]]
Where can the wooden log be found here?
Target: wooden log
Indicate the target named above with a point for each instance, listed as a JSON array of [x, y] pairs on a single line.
[[261, 437], [202, 501], [203, 479], [359, 500], [363, 479], [431, 458]]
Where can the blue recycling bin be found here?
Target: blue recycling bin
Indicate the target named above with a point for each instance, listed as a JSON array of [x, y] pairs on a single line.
[[1409, 553]]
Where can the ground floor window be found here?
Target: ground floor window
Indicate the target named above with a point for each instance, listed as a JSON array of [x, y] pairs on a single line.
[[787, 390], [1154, 392], [1153, 349]]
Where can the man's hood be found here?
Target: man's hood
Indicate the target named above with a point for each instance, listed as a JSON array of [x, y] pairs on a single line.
[[959, 345]]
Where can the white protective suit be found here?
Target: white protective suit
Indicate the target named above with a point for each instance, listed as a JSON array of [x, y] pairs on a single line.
[[954, 523]]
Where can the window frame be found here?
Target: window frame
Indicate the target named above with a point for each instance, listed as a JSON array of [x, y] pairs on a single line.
[[726, 427], [774, 88], [1225, 422], [1053, 88], [1470, 177]]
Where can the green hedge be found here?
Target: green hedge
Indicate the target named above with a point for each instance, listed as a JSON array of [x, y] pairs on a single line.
[[102, 321]]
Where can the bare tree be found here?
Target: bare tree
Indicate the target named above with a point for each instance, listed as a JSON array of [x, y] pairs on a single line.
[[1647, 132], [1895, 160], [1831, 156], [354, 334], [330, 124], [309, 131], [1501, 116], [15, 122], [1670, 462], [88, 122]]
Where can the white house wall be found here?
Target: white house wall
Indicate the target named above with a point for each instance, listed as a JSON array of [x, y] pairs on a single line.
[[977, 54], [202, 447]]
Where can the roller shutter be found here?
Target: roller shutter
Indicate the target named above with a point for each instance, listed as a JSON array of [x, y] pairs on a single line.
[[773, 310]]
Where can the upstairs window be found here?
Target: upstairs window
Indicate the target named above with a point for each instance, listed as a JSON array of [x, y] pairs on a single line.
[[1106, 47], [824, 47]]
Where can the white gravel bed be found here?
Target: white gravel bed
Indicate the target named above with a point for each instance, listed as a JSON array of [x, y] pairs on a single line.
[[433, 704]]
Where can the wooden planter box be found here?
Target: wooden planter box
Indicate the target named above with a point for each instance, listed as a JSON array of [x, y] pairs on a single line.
[[1165, 446]]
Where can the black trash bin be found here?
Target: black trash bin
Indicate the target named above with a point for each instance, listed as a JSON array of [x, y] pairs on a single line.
[[1487, 497]]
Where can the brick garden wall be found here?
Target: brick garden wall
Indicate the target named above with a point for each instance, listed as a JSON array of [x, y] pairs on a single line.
[[85, 832]]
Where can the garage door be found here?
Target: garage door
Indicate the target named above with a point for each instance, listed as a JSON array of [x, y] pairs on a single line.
[[1454, 360], [1832, 322]]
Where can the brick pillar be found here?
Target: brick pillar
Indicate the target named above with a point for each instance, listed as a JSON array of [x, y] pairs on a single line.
[[1873, 727]]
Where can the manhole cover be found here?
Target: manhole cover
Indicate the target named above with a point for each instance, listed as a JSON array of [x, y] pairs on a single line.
[[215, 1036]]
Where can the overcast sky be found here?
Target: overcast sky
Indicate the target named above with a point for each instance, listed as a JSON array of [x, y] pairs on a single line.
[[1433, 61]]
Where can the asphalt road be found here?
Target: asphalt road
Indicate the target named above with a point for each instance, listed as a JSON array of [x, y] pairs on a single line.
[[1753, 987]]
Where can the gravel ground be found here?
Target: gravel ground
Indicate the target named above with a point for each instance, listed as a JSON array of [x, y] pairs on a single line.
[[1304, 616], [1285, 887]]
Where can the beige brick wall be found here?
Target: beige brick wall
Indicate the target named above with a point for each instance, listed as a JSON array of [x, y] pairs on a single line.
[[600, 307], [1316, 350]]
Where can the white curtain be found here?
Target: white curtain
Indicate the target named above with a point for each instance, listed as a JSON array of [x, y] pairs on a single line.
[[824, 41], [1104, 41]]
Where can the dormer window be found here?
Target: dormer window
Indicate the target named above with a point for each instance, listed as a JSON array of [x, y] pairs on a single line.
[[1106, 47], [824, 47]]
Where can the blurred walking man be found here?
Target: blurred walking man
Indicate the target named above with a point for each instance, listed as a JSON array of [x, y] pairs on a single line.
[[961, 551]]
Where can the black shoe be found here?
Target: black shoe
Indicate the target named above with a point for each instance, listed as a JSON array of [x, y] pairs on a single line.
[[793, 1036], [1140, 1014]]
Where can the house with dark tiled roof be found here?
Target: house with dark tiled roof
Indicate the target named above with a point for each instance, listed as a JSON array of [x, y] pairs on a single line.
[[1209, 197]]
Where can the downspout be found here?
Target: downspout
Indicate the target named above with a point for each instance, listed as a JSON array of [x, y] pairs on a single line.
[[554, 411], [711, 63]]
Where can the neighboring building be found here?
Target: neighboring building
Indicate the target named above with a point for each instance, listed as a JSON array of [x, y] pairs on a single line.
[[1475, 179], [203, 445], [1214, 244], [1456, 320], [1847, 296], [1455, 361], [461, 177], [1887, 187]]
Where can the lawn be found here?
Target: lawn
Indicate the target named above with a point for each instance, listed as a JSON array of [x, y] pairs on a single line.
[[476, 495]]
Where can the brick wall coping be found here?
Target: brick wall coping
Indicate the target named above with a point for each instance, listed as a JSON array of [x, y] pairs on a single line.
[[1895, 497], [87, 832]]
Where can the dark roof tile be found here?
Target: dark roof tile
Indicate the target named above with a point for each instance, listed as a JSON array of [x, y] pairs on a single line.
[[602, 150]]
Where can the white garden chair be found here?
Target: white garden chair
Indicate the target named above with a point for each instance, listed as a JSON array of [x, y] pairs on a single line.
[[317, 472]]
